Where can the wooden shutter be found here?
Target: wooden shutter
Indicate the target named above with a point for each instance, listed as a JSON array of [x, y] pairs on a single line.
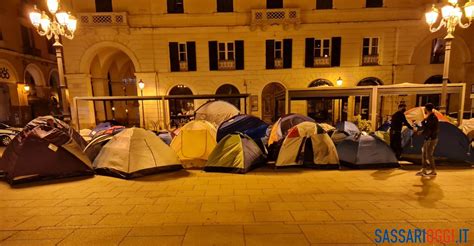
[[239, 55], [270, 54], [336, 51], [213, 55], [287, 53], [309, 53], [174, 57], [191, 52]]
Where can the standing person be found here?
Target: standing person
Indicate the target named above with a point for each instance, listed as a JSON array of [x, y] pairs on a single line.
[[398, 120], [429, 130]]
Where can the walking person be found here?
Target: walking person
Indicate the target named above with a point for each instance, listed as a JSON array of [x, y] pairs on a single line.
[[429, 130], [398, 120]]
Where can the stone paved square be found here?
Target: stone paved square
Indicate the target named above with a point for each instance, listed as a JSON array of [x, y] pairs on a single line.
[[263, 207]]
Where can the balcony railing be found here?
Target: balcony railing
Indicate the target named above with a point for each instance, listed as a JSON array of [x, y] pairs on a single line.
[[322, 62], [183, 66], [226, 65], [278, 63], [370, 60], [103, 19], [264, 17]]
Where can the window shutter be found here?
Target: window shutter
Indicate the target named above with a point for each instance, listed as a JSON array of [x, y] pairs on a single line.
[[270, 54], [309, 53], [191, 52], [225, 5], [213, 55], [171, 6], [287, 53], [239, 55], [174, 57], [336, 52]]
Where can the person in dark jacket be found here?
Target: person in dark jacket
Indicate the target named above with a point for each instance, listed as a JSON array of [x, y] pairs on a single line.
[[397, 122], [429, 130]]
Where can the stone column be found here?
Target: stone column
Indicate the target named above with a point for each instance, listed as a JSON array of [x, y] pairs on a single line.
[[100, 88], [153, 110], [80, 86]]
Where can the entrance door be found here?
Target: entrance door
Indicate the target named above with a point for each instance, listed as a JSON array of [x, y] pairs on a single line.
[[4, 103], [273, 102]]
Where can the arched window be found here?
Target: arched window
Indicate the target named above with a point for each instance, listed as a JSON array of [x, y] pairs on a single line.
[[180, 109], [435, 99], [228, 89], [370, 81], [320, 108], [362, 103], [320, 82]]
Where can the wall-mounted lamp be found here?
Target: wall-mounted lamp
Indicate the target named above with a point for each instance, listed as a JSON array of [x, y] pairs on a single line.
[[339, 81], [26, 88]]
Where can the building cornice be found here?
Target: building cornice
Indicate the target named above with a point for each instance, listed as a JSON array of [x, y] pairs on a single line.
[[29, 57]]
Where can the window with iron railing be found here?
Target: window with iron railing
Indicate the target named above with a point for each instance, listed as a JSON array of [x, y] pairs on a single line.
[[370, 51], [322, 52], [226, 54]]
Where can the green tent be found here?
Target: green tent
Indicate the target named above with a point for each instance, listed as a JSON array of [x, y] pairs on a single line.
[[236, 153]]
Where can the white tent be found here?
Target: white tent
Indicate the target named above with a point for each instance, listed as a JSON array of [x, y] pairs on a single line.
[[135, 152], [216, 112], [308, 144]]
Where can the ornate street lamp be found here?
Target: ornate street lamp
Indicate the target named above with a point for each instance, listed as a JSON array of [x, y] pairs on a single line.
[[58, 23], [451, 17]]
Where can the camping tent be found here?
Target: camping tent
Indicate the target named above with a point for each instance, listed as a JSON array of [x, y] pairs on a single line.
[[216, 112], [308, 144], [285, 123], [418, 115], [195, 141], [452, 144], [99, 140], [247, 124], [135, 152], [235, 153], [103, 126], [366, 151], [47, 148], [348, 127]]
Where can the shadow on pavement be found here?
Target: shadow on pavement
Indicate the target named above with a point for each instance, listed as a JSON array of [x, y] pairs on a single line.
[[430, 192], [164, 176], [385, 174], [50, 182]]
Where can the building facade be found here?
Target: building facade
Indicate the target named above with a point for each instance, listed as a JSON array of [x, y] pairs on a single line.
[[26, 59], [254, 46]]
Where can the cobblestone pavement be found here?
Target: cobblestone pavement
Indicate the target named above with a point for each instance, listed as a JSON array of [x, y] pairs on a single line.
[[263, 207]]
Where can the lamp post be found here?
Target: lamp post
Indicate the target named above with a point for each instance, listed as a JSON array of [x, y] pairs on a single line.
[[60, 23], [451, 17], [141, 85]]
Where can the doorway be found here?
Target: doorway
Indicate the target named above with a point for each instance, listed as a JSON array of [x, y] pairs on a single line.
[[273, 102]]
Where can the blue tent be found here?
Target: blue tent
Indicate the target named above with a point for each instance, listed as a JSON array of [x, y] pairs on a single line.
[[453, 144], [366, 151], [249, 125], [347, 127]]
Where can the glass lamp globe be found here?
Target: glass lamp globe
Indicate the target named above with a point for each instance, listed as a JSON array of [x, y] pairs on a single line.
[[35, 17], [432, 16], [53, 6], [141, 84], [71, 23], [62, 17]]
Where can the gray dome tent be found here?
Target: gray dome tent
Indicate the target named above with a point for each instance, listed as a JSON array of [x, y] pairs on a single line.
[[135, 152], [236, 153], [47, 148], [366, 151]]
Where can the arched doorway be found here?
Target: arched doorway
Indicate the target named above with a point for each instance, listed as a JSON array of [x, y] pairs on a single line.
[[181, 110], [10, 99], [320, 109], [5, 103], [435, 99], [37, 96], [228, 89], [273, 102], [113, 74], [362, 103]]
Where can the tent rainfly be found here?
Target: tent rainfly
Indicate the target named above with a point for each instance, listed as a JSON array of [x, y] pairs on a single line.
[[236, 153], [453, 144], [366, 151], [216, 112], [309, 145], [243, 123], [135, 152], [47, 148]]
